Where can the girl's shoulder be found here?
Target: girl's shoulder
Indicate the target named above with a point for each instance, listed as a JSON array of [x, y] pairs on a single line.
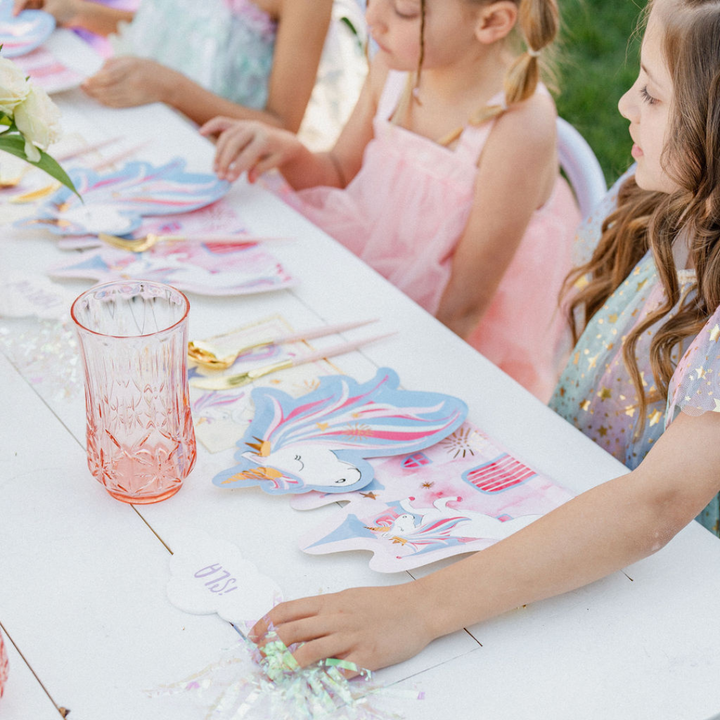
[[523, 139], [695, 384], [528, 126]]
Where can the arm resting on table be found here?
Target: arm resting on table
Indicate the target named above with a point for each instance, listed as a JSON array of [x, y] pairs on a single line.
[[591, 536]]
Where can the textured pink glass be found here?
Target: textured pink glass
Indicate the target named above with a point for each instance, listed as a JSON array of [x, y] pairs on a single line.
[[140, 437], [4, 666]]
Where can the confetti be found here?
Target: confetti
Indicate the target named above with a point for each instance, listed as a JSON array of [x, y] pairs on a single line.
[[46, 353], [246, 684]]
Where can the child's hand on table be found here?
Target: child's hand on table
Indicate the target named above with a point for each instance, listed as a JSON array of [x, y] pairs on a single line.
[[130, 81], [249, 145], [62, 10], [372, 627]]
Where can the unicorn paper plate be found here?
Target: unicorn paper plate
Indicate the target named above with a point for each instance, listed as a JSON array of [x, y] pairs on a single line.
[[24, 33], [321, 441], [115, 203]]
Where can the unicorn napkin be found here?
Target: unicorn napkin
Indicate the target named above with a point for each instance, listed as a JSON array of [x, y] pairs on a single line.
[[321, 441], [460, 496]]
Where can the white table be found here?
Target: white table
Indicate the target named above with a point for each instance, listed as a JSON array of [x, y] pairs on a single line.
[[82, 576]]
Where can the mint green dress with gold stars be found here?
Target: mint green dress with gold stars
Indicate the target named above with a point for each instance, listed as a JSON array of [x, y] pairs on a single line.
[[595, 392]]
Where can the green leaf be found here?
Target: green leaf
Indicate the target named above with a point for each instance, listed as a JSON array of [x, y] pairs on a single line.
[[15, 145]]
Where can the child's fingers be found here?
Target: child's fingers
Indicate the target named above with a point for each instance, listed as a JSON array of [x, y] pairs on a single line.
[[330, 646], [21, 5], [108, 74], [306, 630], [284, 613], [233, 149], [217, 125], [248, 157], [266, 163], [106, 96], [94, 91], [99, 80]]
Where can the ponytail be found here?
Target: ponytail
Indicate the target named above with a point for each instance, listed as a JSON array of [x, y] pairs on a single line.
[[539, 22], [539, 25]]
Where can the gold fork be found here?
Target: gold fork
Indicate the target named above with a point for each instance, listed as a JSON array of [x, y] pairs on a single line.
[[142, 244], [204, 354], [228, 382], [13, 182], [137, 245]]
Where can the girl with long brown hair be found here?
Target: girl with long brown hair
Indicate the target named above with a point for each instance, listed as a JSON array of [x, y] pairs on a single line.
[[445, 179], [644, 378]]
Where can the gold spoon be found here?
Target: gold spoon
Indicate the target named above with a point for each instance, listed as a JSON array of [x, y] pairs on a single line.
[[203, 354], [137, 245], [145, 243], [13, 182]]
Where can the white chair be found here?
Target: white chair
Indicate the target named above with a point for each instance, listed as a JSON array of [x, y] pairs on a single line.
[[581, 167]]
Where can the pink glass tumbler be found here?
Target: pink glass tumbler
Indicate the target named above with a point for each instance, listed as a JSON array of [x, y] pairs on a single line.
[[140, 437]]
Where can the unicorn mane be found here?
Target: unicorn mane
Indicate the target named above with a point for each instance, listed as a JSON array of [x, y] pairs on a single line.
[[375, 416]]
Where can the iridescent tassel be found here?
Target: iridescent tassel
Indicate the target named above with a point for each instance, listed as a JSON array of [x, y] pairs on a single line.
[[250, 684]]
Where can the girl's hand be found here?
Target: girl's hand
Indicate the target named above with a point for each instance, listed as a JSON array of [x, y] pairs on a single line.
[[372, 627], [130, 81], [249, 145], [62, 10]]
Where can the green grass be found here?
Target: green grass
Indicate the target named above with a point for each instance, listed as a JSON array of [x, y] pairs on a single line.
[[598, 63]]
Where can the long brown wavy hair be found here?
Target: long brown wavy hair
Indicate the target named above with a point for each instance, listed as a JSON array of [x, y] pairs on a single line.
[[645, 219], [539, 23]]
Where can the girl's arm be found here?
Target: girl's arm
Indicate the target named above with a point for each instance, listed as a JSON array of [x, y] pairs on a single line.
[[298, 46], [256, 148], [79, 13], [589, 537], [302, 29], [517, 173], [130, 81]]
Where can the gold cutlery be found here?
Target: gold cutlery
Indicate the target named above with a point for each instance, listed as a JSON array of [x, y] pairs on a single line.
[[229, 382], [203, 354], [142, 244]]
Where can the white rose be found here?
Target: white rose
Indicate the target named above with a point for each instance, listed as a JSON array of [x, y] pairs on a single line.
[[38, 119], [14, 88]]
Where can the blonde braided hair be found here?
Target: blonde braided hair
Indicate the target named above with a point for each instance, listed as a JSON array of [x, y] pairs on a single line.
[[539, 23]]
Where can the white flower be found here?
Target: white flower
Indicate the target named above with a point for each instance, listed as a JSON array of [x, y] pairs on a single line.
[[38, 119], [14, 88]]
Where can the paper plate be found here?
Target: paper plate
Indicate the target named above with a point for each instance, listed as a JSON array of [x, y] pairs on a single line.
[[115, 203], [24, 33]]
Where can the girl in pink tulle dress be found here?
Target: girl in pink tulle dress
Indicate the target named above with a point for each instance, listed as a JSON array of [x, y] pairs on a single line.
[[475, 226]]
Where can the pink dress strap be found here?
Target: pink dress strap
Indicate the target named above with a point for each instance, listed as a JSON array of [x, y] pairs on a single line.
[[392, 92], [473, 138], [472, 141]]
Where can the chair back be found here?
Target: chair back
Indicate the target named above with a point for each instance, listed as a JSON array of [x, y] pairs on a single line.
[[581, 167]]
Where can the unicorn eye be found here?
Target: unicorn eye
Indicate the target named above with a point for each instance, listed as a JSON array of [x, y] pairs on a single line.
[[341, 481]]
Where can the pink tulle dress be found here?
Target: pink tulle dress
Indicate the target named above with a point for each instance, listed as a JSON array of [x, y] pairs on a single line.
[[404, 214]]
